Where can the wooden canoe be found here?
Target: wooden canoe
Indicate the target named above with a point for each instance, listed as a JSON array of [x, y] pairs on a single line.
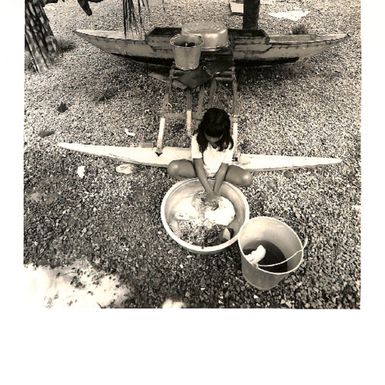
[[148, 157], [249, 47]]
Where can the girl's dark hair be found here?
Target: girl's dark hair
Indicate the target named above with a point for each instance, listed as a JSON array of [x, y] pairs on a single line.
[[215, 123]]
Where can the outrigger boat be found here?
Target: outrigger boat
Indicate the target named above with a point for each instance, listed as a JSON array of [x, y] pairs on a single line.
[[243, 47], [249, 47]]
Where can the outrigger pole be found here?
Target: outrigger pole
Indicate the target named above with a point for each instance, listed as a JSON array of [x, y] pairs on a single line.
[[148, 157]]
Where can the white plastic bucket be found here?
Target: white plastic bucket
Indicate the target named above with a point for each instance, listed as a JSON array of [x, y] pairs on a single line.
[[259, 229], [187, 57]]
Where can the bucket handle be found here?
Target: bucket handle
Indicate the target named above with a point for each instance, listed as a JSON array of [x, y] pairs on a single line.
[[305, 242]]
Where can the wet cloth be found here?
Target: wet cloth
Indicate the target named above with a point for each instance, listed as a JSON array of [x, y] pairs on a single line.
[[194, 221], [212, 157]]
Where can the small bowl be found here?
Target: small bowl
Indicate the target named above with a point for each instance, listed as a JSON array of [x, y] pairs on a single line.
[[187, 187]]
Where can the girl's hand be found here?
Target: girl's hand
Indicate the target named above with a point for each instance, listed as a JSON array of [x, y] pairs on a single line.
[[212, 198]]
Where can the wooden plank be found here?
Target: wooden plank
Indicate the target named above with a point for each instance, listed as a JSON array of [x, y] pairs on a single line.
[[236, 8], [148, 157], [165, 79], [182, 115]]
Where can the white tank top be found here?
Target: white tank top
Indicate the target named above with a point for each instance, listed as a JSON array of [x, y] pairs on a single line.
[[212, 157]]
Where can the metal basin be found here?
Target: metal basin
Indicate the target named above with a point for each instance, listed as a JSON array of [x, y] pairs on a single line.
[[214, 34], [187, 187]]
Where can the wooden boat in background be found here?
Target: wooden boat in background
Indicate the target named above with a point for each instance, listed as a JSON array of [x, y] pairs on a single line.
[[250, 47]]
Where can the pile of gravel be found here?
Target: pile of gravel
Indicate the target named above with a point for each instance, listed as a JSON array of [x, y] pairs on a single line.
[[112, 221]]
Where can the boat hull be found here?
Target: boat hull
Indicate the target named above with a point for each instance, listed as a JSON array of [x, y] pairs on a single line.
[[249, 47]]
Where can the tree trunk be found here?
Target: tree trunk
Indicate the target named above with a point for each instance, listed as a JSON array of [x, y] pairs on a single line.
[[250, 14], [39, 38]]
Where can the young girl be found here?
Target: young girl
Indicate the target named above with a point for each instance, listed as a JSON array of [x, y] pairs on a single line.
[[212, 150]]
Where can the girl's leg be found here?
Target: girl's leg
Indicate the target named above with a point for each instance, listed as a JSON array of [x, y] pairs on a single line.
[[181, 169], [238, 176]]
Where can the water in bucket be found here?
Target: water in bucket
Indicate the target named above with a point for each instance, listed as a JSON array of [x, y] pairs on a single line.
[[189, 44], [273, 255]]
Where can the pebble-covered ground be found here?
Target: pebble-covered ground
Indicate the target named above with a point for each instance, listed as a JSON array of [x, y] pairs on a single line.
[[112, 220]]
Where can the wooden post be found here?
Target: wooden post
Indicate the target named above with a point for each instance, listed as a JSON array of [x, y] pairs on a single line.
[[189, 112], [213, 88], [162, 124], [200, 103], [235, 115], [250, 14]]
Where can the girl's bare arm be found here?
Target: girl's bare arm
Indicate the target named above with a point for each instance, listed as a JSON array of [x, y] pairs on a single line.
[[220, 177], [201, 174]]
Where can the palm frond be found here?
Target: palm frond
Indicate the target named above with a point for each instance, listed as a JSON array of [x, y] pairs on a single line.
[[132, 16]]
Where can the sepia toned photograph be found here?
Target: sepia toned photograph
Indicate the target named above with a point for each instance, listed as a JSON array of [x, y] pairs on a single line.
[[192, 154]]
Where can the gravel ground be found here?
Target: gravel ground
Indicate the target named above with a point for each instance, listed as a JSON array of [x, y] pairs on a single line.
[[112, 221]]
